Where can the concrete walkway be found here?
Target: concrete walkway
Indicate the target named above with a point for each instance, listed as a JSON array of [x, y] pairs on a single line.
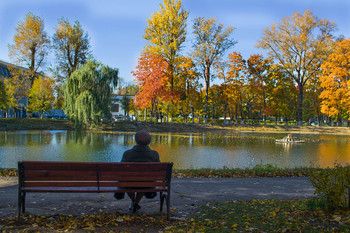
[[186, 195]]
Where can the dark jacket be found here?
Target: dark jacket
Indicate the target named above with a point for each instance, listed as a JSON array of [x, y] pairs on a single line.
[[140, 153]]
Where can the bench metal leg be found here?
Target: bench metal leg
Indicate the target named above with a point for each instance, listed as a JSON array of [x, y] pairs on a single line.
[[168, 206], [21, 204], [24, 203], [161, 201]]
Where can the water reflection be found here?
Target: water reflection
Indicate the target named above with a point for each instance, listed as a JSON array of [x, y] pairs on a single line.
[[186, 150]]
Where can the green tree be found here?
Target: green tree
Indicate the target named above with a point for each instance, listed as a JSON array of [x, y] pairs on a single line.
[[211, 41], [72, 46], [41, 95], [166, 32], [300, 44], [30, 45], [88, 91]]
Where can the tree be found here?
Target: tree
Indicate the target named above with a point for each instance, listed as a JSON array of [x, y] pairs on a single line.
[[235, 81], [151, 77], [281, 94], [31, 45], [257, 70], [300, 44], [335, 82], [88, 91], [72, 46], [17, 87], [41, 95], [190, 88], [166, 32], [211, 41], [3, 96]]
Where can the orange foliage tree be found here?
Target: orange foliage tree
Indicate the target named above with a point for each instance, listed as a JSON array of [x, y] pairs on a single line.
[[335, 82], [235, 82], [151, 77], [257, 69]]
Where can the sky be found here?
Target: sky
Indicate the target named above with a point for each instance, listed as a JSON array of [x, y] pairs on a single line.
[[116, 27]]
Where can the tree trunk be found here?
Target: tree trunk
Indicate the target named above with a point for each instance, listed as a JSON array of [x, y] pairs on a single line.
[[192, 114], [236, 114], [207, 85], [300, 105]]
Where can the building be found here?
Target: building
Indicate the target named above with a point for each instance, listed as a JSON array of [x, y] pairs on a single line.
[[117, 107]]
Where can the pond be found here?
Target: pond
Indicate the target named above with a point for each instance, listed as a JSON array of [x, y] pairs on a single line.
[[186, 150]]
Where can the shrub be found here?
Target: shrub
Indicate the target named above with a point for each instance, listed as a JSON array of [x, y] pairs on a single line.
[[332, 186]]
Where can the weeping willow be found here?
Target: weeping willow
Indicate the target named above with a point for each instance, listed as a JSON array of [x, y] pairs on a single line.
[[88, 91]]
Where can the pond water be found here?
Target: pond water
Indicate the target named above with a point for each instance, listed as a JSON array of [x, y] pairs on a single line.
[[186, 150]]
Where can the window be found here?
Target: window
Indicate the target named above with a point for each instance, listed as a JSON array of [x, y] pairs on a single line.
[[115, 107]]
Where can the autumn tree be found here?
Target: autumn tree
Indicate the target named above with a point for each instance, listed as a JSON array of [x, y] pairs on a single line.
[[189, 88], [30, 45], [335, 82], [300, 44], [88, 91], [3, 96], [151, 77], [72, 46], [41, 95], [282, 94], [17, 87], [165, 33], [211, 41], [235, 81], [257, 69]]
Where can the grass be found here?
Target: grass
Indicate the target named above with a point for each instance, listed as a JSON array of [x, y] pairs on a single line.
[[264, 216], [232, 216], [260, 170]]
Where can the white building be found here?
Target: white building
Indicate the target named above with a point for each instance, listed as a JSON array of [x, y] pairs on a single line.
[[117, 106]]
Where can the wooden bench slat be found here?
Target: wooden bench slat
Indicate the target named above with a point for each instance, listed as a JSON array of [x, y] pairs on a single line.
[[61, 189], [46, 172], [132, 178], [59, 178], [125, 190], [60, 184], [132, 184]]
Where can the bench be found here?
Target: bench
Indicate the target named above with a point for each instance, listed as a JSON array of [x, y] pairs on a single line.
[[93, 177]]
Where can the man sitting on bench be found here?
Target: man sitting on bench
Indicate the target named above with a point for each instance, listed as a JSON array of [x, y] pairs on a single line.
[[139, 153]]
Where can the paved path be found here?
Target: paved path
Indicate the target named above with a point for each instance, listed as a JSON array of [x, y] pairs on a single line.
[[186, 195]]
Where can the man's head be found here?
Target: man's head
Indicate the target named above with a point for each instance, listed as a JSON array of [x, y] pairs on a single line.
[[142, 137]]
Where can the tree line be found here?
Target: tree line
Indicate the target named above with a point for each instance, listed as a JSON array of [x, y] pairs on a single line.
[[79, 84], [305, 73]]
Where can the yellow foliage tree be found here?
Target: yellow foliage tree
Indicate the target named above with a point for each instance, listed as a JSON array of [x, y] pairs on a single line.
[[72, 46], [30, 45], [17, 86], [299, 44], [166, 32], [41, 95], [211, 41], [335, 82]]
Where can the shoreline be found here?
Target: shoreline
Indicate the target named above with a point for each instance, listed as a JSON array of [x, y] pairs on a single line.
[[134, 126]]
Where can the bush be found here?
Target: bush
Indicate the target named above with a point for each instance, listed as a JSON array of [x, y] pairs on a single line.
[[332, 186]]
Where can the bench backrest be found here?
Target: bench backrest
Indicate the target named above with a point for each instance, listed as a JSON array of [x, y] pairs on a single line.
[[94, 174]]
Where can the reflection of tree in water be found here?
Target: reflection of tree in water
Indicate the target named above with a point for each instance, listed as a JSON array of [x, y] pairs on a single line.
[[88, 138], [29, 138]]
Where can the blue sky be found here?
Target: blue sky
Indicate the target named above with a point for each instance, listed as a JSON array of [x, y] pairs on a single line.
[[116, 27]]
